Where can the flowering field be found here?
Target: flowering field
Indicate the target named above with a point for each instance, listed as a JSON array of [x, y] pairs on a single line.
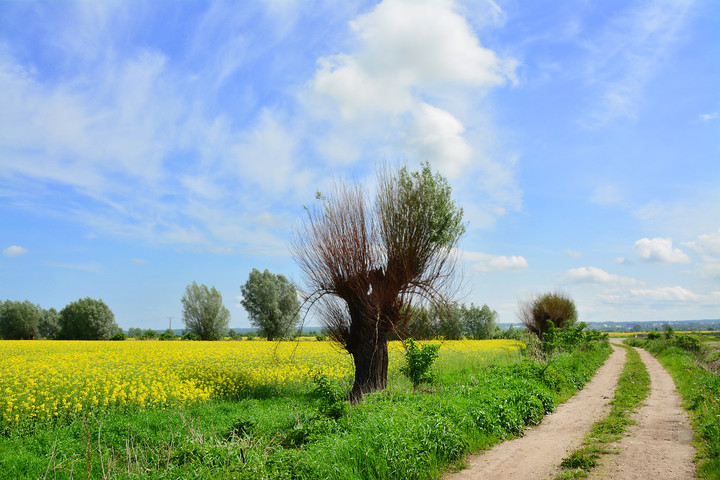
[[46, 379]]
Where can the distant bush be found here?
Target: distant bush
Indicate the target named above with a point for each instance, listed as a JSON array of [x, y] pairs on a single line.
[[119, 336], [690, 343], [320, 338], [653, 335], [148, 334], [555, 310], [190, 336]]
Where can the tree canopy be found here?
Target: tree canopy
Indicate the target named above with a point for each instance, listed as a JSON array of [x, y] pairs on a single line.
[[271, 302], [19, 320], [87, 319], [204, 313]]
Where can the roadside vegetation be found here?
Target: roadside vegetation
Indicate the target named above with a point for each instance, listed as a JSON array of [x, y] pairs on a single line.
[[693, 362]]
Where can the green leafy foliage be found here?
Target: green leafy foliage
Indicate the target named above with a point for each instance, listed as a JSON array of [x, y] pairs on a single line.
[[204, 313], [119, 336], [333, 400], [87, 319], [19, 320], [271, 302], [419, 359]]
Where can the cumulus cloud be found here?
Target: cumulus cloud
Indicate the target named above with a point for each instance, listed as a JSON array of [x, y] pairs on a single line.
[[659, 250], [408, 51], [598, 276], [486, 262], [14, 251]]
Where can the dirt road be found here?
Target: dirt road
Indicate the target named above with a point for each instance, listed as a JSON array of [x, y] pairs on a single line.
[[538, 454], [658, 447]]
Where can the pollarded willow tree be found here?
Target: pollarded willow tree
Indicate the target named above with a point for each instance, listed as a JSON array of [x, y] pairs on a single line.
[[369, 262]]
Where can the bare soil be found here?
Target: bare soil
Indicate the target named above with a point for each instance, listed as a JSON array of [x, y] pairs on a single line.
[[657, 448]]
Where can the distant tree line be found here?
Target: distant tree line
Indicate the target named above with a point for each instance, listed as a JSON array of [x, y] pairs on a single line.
[[83, 319]]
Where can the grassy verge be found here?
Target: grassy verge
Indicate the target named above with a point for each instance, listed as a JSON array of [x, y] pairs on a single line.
[[699, 386], [399, 433], [632, 388]]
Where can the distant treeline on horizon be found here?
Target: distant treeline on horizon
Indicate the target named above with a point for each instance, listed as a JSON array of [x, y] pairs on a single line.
[[693, 325]]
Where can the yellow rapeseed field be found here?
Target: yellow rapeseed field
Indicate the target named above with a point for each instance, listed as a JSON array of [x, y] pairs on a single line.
[[45, 379]]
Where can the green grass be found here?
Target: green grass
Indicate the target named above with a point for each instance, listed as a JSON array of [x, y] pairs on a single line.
[[632, 388], [700, 390], [399, 433]]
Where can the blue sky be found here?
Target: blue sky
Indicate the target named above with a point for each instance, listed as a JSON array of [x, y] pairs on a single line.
[[147, 145]]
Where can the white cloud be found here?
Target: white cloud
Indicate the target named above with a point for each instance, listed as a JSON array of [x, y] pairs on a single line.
[[659, 250], [666, 294], [14, 251], [705, 117], [706, 244], [486, 262], [408, 52], [598, 276], [574, 253], [139, 261]]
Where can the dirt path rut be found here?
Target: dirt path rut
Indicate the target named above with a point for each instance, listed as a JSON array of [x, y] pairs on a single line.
[[658, 447], [538, 454]]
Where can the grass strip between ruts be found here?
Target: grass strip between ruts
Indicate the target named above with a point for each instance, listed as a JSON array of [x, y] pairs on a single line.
[[632, 388]]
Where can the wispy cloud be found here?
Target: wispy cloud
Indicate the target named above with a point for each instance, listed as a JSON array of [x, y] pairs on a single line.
[[487, 262], [675, 293], [627, 53], [598, 276], [139, 261], [706, 117], [14, 251]]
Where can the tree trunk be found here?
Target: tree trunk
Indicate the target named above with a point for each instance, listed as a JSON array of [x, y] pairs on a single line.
[[369, 349]]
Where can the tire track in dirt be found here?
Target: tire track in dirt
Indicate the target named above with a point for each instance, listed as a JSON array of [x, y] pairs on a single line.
[[537, 455], [658, 447]]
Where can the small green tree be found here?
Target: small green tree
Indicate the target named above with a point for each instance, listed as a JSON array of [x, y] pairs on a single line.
[[271, 302], [87, 319], [19, 320], [551, 309], [204, 313], [420, 359], [479, 322]]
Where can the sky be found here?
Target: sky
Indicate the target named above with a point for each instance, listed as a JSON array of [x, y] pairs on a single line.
[[147, 145]]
